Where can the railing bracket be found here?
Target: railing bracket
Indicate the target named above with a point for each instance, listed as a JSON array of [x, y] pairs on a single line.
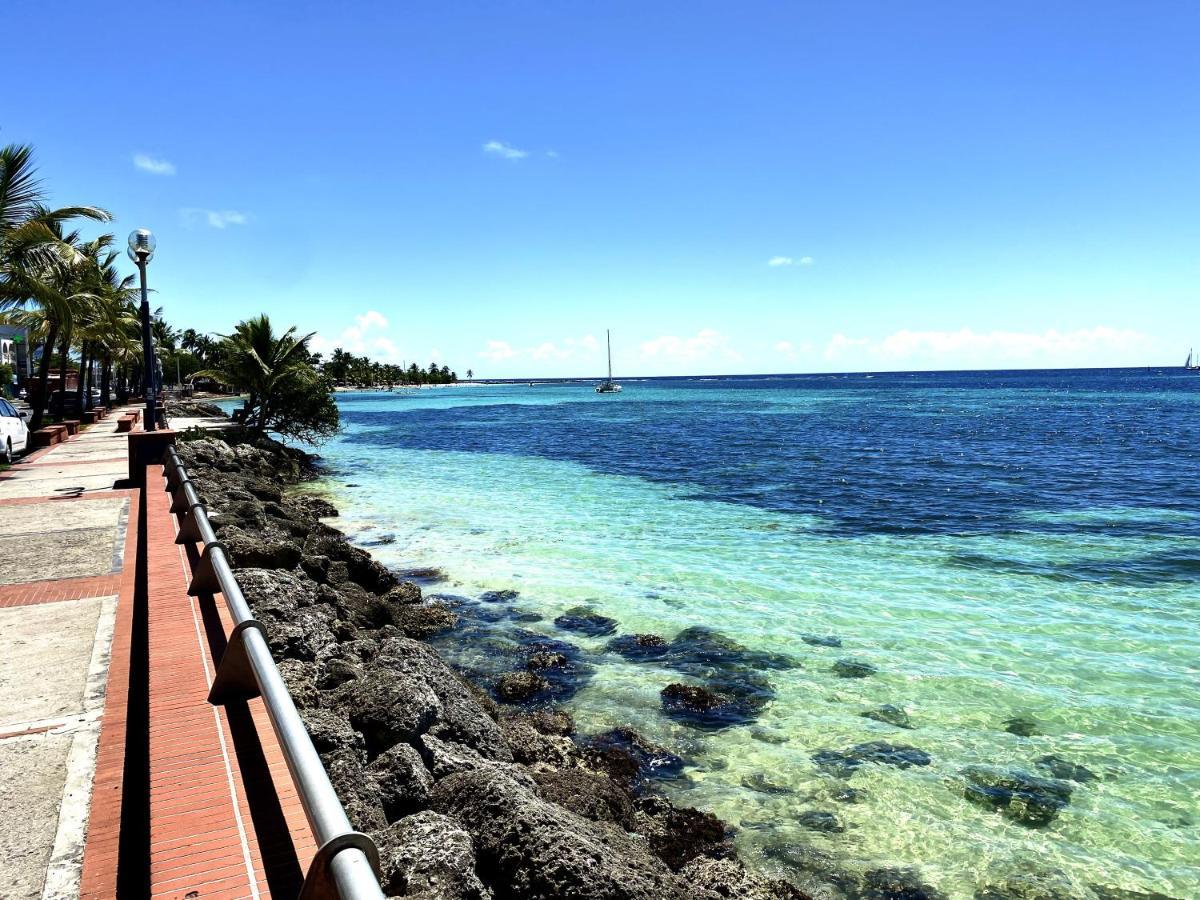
[[204, 576], [235, 676], [318, 883]]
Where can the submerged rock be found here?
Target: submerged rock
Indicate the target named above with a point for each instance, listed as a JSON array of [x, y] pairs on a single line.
[[506, 595], [630, 759], [844, 763], [639, 646], [759, 782], [1024, 798], [584, 620], [547, 660], [517, 687], [888, 714], [701, 707], [822, 640], [896, 884], [1065, 770], [820, 820], [1022, 726], [423, 575], [853, 668]]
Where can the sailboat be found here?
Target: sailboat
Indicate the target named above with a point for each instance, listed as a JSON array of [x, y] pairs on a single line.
[[608, 386], [1189, 366]]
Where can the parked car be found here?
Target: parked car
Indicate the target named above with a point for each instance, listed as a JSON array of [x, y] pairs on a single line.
[[14, 433]]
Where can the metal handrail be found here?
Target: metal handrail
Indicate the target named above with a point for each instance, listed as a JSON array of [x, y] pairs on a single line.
[[346, 863]]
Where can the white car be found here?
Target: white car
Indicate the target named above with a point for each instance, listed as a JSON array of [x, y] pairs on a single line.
[[14, 433]]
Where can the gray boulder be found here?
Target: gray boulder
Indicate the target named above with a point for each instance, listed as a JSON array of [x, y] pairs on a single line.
[[430, 857], [540, 851]]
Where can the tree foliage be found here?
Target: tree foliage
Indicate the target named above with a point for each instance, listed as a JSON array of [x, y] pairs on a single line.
[[284, 391], [360, 371]]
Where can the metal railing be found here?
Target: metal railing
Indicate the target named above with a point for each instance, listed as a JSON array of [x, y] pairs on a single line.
[[346, 864]]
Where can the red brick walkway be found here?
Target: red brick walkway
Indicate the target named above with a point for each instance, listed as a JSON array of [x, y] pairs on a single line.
[[206, 839]]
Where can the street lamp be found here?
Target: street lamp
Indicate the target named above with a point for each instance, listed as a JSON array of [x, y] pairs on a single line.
[[141, 249]]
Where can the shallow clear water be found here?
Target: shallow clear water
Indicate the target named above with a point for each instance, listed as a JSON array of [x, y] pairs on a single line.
[[995, 544]]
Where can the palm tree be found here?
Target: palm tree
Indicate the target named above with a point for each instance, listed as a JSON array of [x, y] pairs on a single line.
[[256, 360], [41, 268]]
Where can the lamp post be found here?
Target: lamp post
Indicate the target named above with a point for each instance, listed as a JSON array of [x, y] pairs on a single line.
[[141, 249]]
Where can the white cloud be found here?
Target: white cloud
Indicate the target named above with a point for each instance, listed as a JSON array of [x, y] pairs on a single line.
[[498, 350], [705, 344], [806, 260], [214, 218], [839, 344], [153, 165], [780, 261], [966, 348], [499, 148], [365, 336], [787, 348]]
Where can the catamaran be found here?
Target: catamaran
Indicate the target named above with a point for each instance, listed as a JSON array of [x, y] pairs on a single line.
[[608, 386]]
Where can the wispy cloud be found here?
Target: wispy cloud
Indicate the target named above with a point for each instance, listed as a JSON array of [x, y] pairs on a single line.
[[705, 344], [777, 261], [587, 346], [972, 349], [806, 260], [153, 165], [214, 218], [507, 151]]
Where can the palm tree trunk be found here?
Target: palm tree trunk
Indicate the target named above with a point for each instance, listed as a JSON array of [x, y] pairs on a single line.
[[65, 349], [84, 349], [40, 393], [105, 377]]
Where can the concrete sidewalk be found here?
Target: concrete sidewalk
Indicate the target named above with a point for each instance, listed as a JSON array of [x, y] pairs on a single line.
[[65, 516]]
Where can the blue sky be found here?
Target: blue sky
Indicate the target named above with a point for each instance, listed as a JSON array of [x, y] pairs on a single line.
[[940, 185]]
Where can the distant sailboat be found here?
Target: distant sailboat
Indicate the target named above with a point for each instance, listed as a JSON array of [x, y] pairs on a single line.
[[1189, 366], [608, 386]]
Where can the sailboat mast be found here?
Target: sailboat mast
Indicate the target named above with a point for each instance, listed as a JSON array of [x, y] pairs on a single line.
[[608, 337]]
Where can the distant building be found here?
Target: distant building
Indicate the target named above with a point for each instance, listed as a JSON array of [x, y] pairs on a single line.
[[14, 351]]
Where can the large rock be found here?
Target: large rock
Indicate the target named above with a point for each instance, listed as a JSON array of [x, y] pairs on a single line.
[[594, 797], [356, 789], [401, 781], [462, 718], [727, 878], [286, 603], [431, 857], [537, 850], [679, 834], [388, 710]]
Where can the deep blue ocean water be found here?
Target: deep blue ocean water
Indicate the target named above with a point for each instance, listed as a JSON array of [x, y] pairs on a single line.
[[994, 545]]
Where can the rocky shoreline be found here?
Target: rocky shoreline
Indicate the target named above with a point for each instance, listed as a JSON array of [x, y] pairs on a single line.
[[465, 796]]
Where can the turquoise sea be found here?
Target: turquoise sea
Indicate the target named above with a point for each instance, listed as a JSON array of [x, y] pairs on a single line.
[[1015, 557]]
